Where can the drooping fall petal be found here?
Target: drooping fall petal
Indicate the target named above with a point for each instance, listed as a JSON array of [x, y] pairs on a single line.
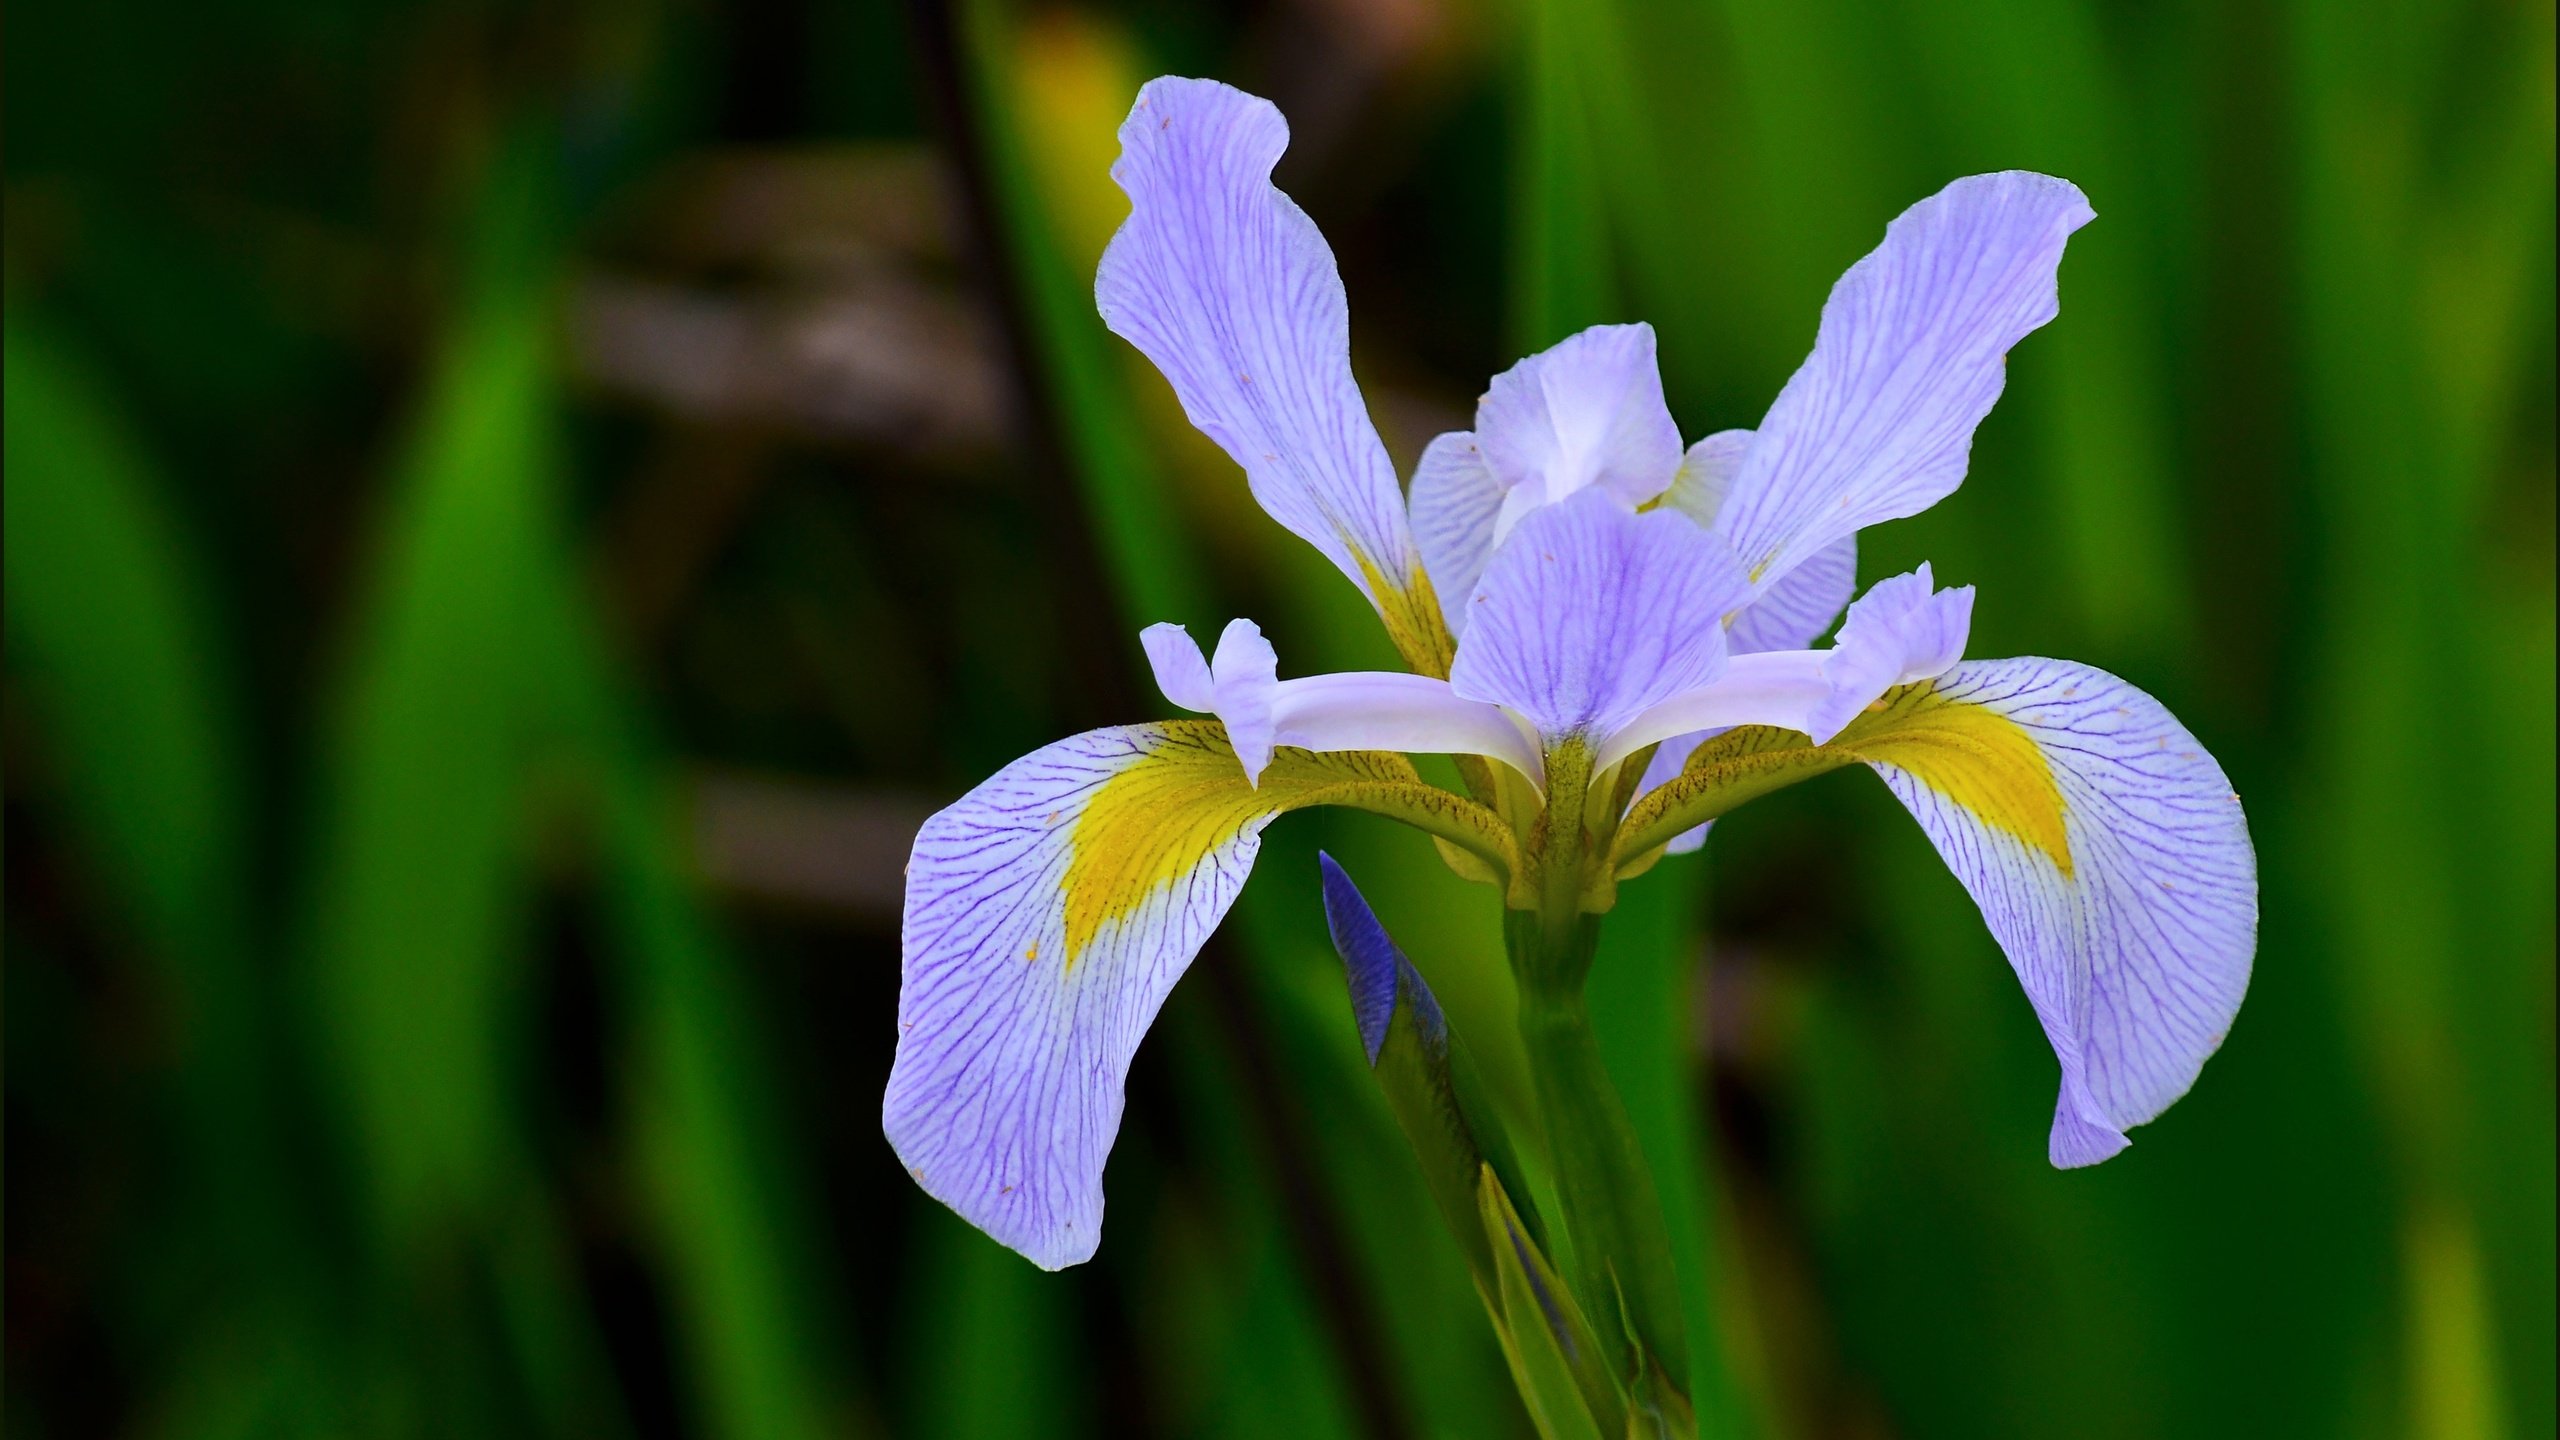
[[1048, 913], [2110, 859]]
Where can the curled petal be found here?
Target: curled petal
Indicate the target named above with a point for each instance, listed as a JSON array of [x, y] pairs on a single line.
[[2110, 860], [1390, 710], [1900, 631], [1587, 411], [1048, 913], [1878, 422], [1590, 613], [1455, 499], [1181, 671], [1354, 710], [1780, 689], [1246, 677], [1240, 686], [1231, 290]]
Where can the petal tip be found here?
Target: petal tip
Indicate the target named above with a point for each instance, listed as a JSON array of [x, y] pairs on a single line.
[[2078, 1143], [1181, 670], [1371, 964]]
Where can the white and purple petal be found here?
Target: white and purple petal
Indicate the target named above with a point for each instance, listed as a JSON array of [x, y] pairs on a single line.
[[1589, 613], [1879, 421], [1245, 679], [1048, 913], [1181, 671], [1782, 688], [1231, 290], [1799, 604], [1405, 713], [1900, 631], [1350, 710], [2111, 861], [1454, 503], [1029, 976], [1587, 411], [1793, 613], [1903, 629]]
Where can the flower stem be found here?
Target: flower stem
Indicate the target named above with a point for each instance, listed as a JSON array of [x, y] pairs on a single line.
[[1621, 1263]]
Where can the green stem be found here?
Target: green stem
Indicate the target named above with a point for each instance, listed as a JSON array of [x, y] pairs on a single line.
[[1621, 1248], [1622, 1264]]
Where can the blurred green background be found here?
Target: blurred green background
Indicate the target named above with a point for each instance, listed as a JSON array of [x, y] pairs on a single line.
[[515, 513]]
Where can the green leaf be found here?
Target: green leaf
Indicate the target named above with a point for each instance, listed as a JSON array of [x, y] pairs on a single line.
[[1423, 1069], [113, 628], [1555, 1359]]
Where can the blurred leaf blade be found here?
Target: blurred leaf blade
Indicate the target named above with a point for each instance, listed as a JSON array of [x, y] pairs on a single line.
[[113, 620]]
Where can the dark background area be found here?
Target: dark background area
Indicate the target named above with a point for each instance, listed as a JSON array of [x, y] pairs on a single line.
[[514, 514]]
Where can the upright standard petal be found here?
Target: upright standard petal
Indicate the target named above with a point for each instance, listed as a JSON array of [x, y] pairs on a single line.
[[1048, 913], [2110, 859], [1798, 605], [1878, 422], [1590, 613], [1230, 289], [1454, 503], [1586, 411], [1790, 615]]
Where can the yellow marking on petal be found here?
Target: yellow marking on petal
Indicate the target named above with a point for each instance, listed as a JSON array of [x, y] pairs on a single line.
[[1149, 826], [1413, 618], [1983, 761]]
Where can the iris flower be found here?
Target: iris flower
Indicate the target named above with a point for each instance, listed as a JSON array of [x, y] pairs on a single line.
[[1616, 635]]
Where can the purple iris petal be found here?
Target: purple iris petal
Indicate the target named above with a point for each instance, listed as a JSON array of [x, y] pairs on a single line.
[[1017, 1012], [1454, 504], [1591, 612], [1799, 605], [1587, 411], [1376, 970], [1901, 630], [1790, 615], [2137, 955], [1181, 671], [1878, 422], [1246, 673], [1354, 710], [1393, 710], [1230, 289], [1240, 686]]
